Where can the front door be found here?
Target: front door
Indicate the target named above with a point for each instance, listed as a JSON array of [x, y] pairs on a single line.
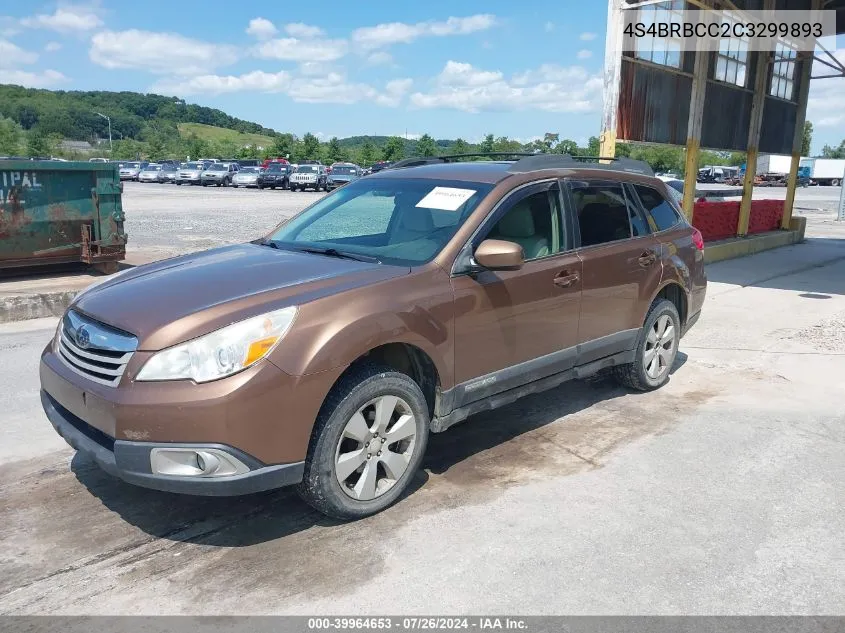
[[516, 326], [622, 267]]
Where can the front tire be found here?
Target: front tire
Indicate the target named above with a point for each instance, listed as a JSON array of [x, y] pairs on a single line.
[[657, 347], [367, 443]]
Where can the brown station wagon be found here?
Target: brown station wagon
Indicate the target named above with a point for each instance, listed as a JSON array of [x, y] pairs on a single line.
[[325, 353]]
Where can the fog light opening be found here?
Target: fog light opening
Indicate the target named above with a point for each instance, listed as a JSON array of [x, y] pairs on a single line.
[[188, 462]]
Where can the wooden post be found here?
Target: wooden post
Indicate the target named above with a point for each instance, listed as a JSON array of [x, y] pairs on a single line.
[[612, 77], [696, 115], [798, 139]]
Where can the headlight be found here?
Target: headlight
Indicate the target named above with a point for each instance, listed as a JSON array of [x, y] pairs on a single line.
[[220, 353]]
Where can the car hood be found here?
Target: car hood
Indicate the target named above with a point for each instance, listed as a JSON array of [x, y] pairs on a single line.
[[178, 299]]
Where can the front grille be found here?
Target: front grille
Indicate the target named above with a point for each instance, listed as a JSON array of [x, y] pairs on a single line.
[[104, 365]]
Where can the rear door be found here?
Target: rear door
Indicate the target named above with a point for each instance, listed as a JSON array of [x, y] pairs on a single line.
[[621, 266]]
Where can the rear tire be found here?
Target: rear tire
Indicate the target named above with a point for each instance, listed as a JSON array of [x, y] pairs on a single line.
[[657, 347], [369, 406]]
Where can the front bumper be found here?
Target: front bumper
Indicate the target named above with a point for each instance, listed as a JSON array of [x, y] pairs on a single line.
[[262, 416], [130, 461]]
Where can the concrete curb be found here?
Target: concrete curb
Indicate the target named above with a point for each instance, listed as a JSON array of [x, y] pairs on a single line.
[[35, 306], [743, 246]]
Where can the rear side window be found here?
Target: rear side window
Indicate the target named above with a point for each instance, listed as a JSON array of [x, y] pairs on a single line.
[[664, 216], [603, 213]]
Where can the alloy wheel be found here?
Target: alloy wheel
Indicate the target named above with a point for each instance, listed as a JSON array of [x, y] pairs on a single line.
[[375, 448], [660, 346]]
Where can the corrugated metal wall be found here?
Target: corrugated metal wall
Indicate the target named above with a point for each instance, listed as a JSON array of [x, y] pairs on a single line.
[[654, 108]]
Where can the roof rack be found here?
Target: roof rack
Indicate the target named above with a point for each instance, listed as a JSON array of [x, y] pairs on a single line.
[[565, 161], [434, 160]]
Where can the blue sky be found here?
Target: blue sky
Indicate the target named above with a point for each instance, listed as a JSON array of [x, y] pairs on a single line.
[[451, 69]]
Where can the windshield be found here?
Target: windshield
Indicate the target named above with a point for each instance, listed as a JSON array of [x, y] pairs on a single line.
[[344, 170], [192, 166], [217, 167], [277, 167], [249, 170], [152, 168], [131, 165], [306, 169], [405, 222]]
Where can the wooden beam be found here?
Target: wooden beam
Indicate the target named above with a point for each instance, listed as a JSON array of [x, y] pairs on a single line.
[[755, 124], [798, 137], [696, 116], [612, 77]]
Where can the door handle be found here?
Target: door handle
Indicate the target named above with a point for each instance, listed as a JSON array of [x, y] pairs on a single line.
[[566, 279], [647, 258]]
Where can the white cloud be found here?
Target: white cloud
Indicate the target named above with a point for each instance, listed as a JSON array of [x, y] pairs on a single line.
[[255, 81], [587, 37], [66, 19], [550, 87], [331, 87], [293, 49], [381, 35], [52, 47], [380, 58], [394, 92], [549, 27], [158, 52], [584, 54], [304, 31], [459, 74], [314, 69], [43, 79], [12, 55], [261, 28]]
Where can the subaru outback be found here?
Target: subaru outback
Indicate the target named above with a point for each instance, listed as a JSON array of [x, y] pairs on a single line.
[[324, 354]]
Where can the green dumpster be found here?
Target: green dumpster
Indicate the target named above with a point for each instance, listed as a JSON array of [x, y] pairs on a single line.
[[55, 212]]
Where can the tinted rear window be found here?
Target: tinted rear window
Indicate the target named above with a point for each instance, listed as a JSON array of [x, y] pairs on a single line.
[[662, 213]]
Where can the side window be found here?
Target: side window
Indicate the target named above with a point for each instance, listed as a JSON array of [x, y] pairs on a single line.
[[533, 222], [664, 216], [603, 212]]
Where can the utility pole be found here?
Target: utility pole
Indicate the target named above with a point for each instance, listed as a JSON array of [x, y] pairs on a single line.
[[109, 121]]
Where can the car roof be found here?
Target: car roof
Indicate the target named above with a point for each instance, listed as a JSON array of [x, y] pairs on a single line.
[[495, 171]]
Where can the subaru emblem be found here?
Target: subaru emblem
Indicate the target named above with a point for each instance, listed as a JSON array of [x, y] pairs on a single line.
[[83, 339]]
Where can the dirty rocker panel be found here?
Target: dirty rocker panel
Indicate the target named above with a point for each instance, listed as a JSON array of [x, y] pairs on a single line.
[[507, 385]]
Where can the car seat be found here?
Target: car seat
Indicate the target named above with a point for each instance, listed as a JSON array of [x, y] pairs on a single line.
[[517, 225]]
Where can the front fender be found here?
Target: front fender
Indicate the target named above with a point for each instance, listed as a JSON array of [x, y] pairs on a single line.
[[335, 331]]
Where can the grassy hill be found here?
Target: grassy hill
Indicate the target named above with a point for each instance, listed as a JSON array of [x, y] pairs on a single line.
[[73, 115], [222, 135]]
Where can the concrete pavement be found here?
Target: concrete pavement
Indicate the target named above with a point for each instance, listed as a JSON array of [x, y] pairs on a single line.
[[721, 493]]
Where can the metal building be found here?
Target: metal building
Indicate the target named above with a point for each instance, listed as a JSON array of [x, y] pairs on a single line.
[[714, 99]]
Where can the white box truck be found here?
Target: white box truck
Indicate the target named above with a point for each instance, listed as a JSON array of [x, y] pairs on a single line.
[[774, 164], [825, 171]]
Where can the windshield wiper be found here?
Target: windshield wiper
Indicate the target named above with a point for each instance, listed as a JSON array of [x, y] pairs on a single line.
[[333, 252], [269, 243]]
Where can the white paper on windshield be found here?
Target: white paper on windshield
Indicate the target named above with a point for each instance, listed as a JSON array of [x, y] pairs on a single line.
[[446, 198]]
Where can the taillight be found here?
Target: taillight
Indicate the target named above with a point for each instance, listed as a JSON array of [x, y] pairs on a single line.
[[697, 239]]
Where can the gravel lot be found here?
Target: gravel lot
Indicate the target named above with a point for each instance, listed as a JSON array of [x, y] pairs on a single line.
[[170, 219]]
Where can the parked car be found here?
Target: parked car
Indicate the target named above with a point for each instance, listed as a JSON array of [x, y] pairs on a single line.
[[377, 167], [169, 173], [269, 161], [150, 173], [711, 192], [277, 175], [246, 177], [219, 174], [130, 170], [324, 354], [190, 173], [342, 174], [309, 176]]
